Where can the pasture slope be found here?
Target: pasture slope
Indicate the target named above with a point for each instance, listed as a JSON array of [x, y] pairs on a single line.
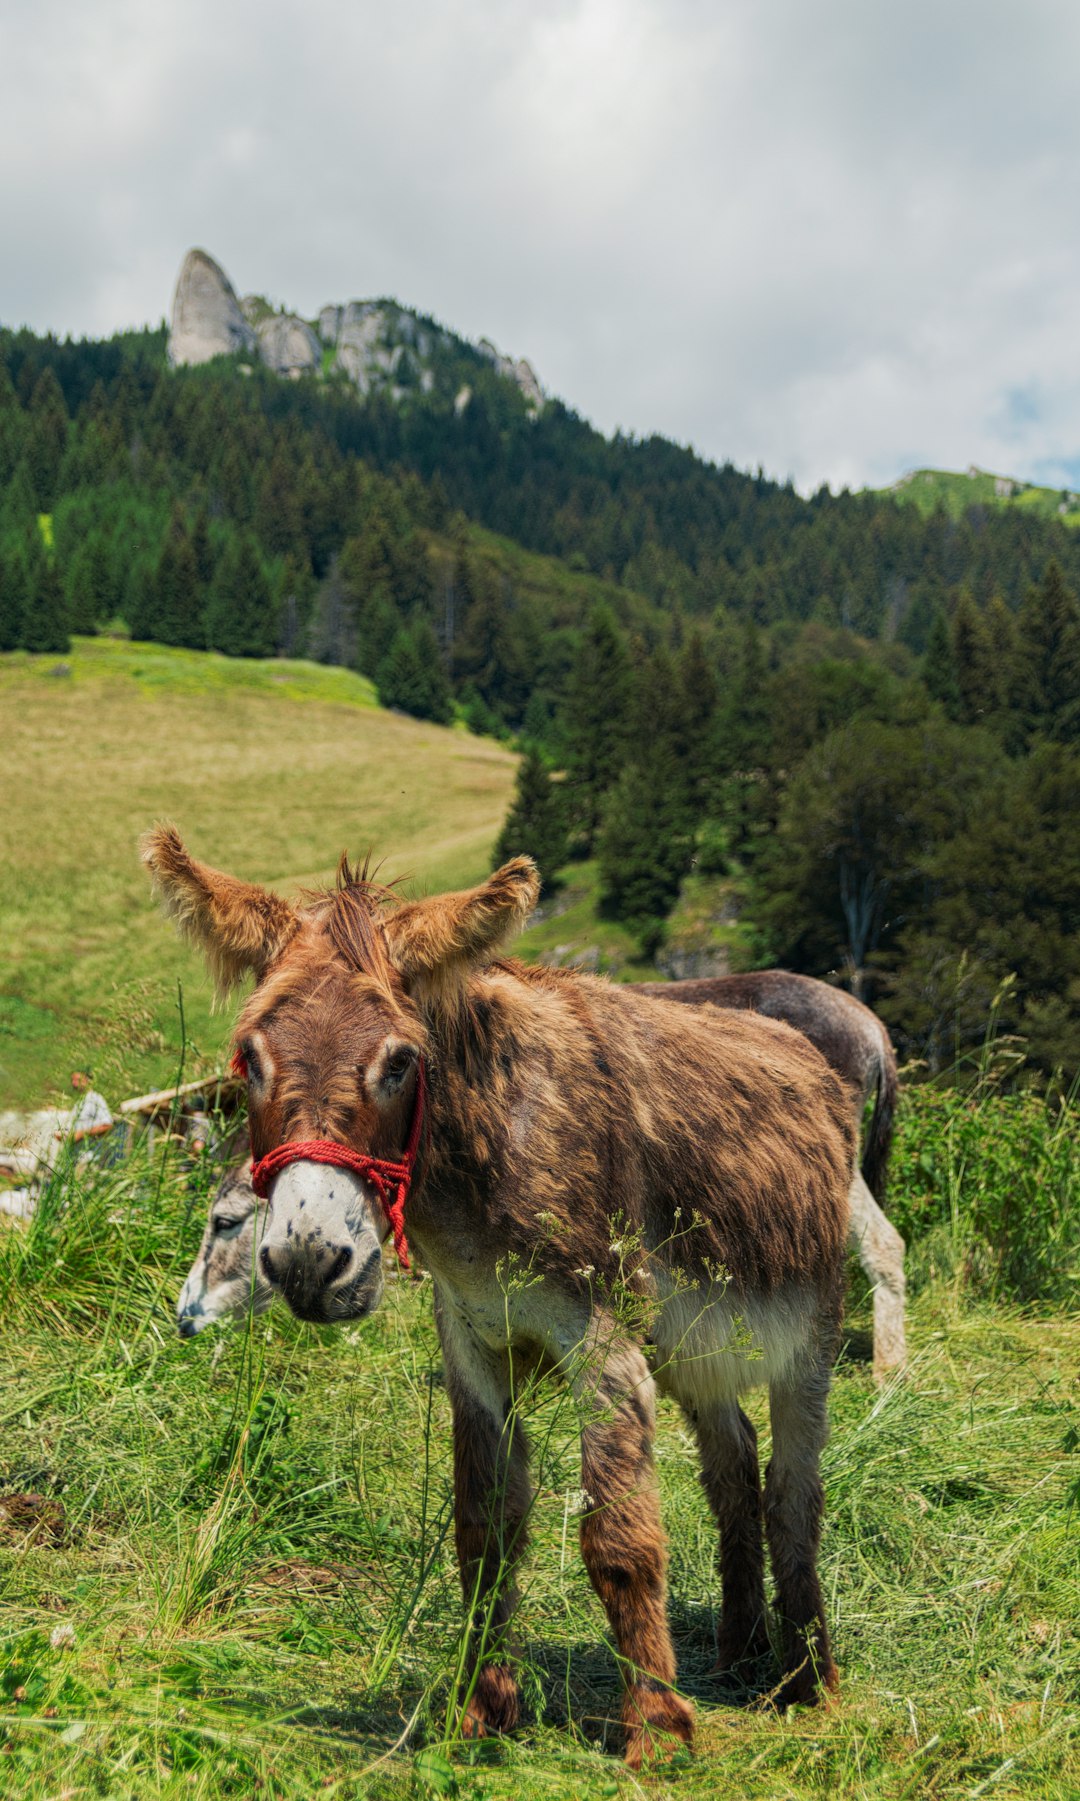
[[271, 769]]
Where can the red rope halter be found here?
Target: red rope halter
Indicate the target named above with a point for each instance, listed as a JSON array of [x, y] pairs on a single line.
[[384, 1173]]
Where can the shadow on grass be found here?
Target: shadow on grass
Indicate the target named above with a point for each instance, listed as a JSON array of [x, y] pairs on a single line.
[[580, 1683]]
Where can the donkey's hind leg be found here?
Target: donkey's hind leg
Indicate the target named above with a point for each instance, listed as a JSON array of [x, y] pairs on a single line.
[[794, 1504], [732, 1481], [622, 1538], [880, 1249], [492, 1498]]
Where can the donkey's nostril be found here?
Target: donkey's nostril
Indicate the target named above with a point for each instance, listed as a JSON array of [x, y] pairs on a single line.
[[339, 1266], [266, 1262]]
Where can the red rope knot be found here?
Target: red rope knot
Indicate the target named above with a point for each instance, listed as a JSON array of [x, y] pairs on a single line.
[[390, 1177]]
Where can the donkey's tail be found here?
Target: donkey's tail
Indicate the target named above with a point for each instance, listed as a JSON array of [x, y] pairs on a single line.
[[875, 1160]]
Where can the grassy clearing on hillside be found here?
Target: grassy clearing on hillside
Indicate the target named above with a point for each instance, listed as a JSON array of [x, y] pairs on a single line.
[[270, 769], [241, 1545], [929, 489]]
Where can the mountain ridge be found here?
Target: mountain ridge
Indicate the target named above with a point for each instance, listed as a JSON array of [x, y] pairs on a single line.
[[374, 345]]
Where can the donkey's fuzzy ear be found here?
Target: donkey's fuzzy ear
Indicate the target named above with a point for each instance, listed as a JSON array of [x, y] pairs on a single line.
[[239, 927], [434, 944]]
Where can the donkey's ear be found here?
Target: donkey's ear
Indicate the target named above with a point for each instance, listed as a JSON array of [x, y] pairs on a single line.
[[435, 943], [240, 928]]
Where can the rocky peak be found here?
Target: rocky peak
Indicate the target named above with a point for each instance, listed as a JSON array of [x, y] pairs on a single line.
[[207, 319], [374, 344]]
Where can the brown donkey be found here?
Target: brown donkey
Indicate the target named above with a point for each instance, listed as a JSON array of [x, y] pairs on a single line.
[[663, 1177]]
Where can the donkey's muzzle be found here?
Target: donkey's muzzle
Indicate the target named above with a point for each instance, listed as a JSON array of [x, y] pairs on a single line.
[[321, 1251]]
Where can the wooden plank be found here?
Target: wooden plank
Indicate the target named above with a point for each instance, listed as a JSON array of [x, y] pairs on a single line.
[[163, 1099]]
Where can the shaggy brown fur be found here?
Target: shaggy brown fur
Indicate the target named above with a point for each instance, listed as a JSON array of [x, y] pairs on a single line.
[[603, 1172], [847, 1033], [856, 1044]]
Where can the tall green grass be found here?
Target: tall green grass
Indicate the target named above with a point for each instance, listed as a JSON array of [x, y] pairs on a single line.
[[242, 1545]]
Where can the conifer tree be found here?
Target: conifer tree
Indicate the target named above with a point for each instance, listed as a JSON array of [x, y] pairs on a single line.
[[13, 595], [647, 833], [534, 825], [972, 662], [240, 615], [203, 549], [412, 678], [1003, 640], [47, 437], [45, 627], [89, 584], [698, 699], [1049, 658], [938, 671], [18, 510], [177, 602], [597, 723]]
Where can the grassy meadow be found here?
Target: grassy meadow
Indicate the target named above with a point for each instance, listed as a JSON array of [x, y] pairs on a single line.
[[928, 489], [270, 769], [226, 1565]]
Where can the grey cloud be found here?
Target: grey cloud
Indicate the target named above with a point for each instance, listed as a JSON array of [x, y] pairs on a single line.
[[831, 239]]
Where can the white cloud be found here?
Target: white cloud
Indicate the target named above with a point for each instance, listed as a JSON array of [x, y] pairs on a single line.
[[834, 239]]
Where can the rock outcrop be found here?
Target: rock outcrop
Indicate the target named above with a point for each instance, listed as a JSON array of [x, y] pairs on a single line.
[[287, 344], [521, 373], [207, 319], [376, 344]]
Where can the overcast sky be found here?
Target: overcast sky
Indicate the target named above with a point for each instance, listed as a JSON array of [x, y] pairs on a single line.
[[833, 237]]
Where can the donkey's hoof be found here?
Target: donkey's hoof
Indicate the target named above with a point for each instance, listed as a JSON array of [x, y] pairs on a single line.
[[812, 1682], [494, 1705], [738, 1648], [657, 1722]]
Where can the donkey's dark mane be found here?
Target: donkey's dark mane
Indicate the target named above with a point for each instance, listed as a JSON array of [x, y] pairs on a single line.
[[349, 915]]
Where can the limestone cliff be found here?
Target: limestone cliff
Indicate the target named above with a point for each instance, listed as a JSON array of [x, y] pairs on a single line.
[[207, 320], [376, 345]]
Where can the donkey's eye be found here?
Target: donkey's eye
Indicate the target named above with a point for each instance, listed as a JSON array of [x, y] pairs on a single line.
[[251, 1062], [227, 1225], [399, 1065]]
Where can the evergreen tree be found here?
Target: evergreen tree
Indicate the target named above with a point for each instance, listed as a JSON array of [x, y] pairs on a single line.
[[642, 859], [1049, 658], [13, 595], [18, 510], [699, 696], [1005, 673], [278, 523], [240, 615], [177, 602], [534, 825], [47, 437], [647, 833], [938, 671], [972, 660], [412, 678], [88, 586], [45, 627], [597, 719], [202, 549]]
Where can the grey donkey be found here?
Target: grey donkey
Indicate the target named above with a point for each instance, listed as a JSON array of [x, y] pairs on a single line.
[[225, 1279]]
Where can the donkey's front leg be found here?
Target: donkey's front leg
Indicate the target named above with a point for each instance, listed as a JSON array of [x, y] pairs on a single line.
[[492, 1497], [622, 1538]]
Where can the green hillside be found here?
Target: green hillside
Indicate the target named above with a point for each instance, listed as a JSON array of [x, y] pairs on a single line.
[[269, 768], [930, 489]]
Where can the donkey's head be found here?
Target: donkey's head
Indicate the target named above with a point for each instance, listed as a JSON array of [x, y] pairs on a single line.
[[332, 1039], [225, 1279]]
